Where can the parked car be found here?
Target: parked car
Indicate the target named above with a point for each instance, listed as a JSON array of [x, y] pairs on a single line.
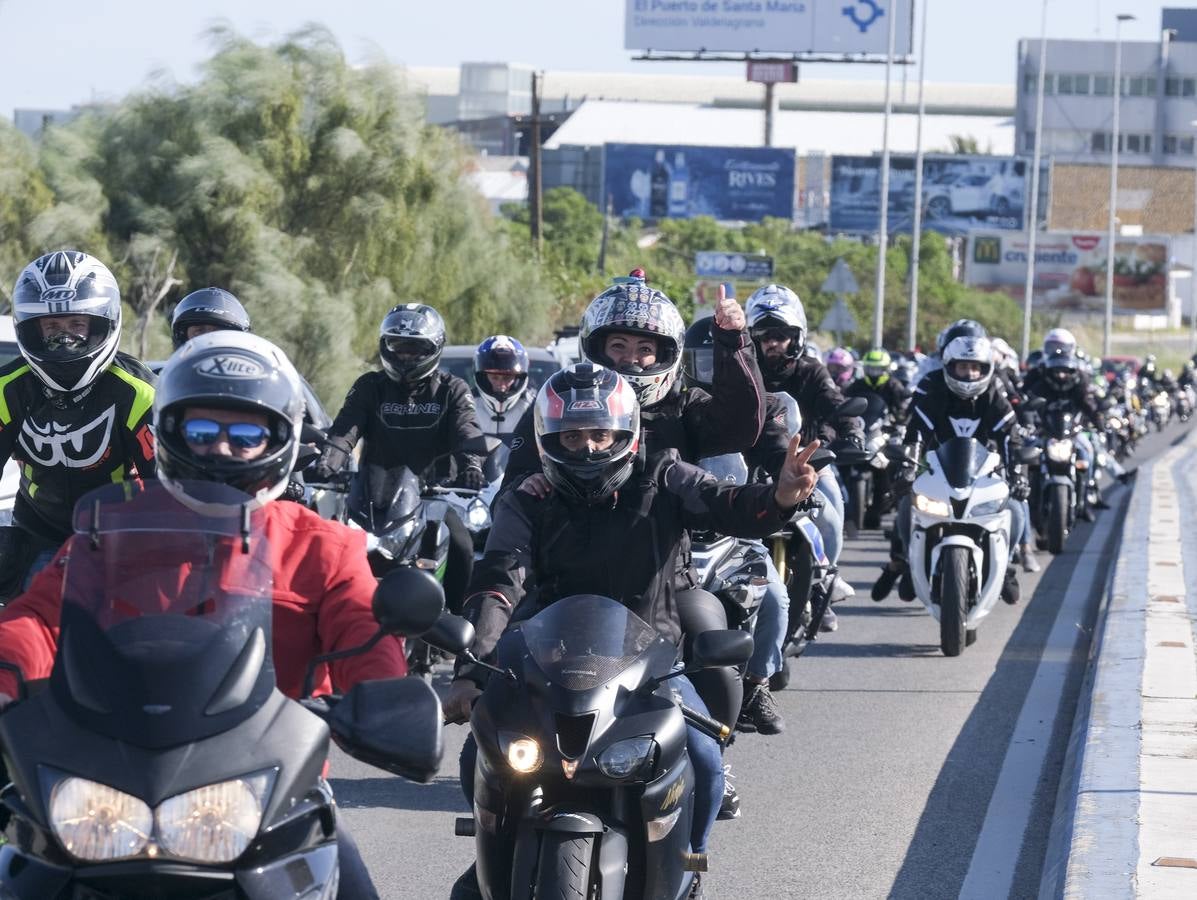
[[975, 194]]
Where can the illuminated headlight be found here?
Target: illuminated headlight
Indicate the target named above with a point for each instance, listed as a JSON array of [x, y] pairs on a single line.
[[623, 758], [477, 516], [523, 754], [1114, 423], [658, 829], [214, 823], [989, 508], [1059, 451], [925, 504], [96, 822]]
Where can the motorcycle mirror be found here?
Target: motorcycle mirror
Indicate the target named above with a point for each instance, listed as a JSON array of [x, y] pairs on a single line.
[[821, 458], [408, 601], [450, 633], [856, 406], [726, 647], [391, 723], [1030, 454], [310, 434], [894, 452]]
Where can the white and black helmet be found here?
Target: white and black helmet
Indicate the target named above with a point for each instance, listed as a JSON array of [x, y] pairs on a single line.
[[70, 285], [1059, 340], [968, 349], [775, 307], [231, 370]]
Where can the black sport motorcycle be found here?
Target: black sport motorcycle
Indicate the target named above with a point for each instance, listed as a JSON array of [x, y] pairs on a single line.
[[583, 786], [159, 759]]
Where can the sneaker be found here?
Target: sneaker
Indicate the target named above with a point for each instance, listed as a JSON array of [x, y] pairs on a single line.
[[759, 712], [830, 622], [466, 886], [730, 807], [841, 590], [906, 587], [884, 583], [1029, 562], [1011, 591]]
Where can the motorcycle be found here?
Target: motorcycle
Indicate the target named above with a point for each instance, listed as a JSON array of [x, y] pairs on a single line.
[[474, 507], [860, 478], [583, 786], [1060, 483], [959, 536], [159, 759]]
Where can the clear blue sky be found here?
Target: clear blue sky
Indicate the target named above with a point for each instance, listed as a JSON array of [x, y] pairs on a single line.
[[59, 52]]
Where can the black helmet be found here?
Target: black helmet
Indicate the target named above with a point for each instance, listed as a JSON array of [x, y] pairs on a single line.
[[587, 396], [210, 306], [235, 371], [502, 355], [960, 328], [410, 341], [698, 354], [1062, 370], [1034, 359], [69, 285]]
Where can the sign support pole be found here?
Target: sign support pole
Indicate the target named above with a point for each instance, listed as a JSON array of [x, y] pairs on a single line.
[[916, 237], [883, 229], [1033, 220]]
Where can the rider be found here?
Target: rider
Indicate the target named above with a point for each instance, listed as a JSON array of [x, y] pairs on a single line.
[[74, 412], [959, 328], [777, 323], [244, 432], [841, 366], [205, 310], [501, 381], [961, 399], [876, 381], [411, 414], [607, 493]]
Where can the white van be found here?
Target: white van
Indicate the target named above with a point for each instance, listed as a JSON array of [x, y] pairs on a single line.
[[8, 482]]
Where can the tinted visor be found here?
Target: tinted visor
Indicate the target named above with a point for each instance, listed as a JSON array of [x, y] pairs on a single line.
[[699, 364], [63, 338]]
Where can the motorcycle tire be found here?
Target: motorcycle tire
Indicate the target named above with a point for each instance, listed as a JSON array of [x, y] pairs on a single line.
[[860, 498], [564, 870], [1057, 518], [953, 600], [780, 679], [970, 637]]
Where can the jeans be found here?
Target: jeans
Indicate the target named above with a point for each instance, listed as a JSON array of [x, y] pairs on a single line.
[[355, 883], [830, 521], [771, 622], [705, 757], [1025, 535]]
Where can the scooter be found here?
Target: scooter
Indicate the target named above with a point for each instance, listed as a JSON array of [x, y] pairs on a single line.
[[159, 759]]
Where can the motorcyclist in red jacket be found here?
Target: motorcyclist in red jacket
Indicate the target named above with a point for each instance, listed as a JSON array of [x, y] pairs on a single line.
[[228, 408]]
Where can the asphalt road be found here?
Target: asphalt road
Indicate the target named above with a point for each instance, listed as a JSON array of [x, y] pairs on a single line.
[[883, 780]]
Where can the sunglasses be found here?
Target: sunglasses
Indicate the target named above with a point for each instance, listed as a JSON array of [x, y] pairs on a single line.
[[242, 435], [771, 334]]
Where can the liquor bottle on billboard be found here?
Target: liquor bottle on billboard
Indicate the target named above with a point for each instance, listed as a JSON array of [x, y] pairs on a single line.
[[658, 203], [679, 188]]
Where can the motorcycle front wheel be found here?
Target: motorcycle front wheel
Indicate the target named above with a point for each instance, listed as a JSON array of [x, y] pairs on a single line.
[[1057, 518], [953, 600], [564, 872]]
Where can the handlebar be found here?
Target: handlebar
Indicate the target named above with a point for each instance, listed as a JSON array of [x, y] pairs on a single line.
[[706, 724]]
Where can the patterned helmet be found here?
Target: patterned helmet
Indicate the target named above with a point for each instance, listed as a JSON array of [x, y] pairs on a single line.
[[632, 307], [500, 355], [841, 365], [876, 367], [968, 354], [772, 308]]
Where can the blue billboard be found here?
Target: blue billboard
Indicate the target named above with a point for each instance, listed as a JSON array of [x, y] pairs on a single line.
[[649, 181], [960, 193]]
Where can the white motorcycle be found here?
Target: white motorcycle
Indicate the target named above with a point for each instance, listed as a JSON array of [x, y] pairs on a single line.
[[959, 537]]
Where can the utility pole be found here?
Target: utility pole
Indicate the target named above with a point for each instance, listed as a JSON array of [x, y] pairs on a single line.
[[1116, 140], [883, 229], [1033, 220], [916, 237], [536, 220], [602, 260], [770, 112]]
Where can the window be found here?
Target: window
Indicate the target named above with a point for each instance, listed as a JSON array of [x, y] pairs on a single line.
[[1063, 84], [1028, 141], [1030, 82], [1100, 142], [1136, 143], [1049, 84], [1171, 89], [1102, 85], [1133, 144], [1080, 84], [1170, 144], [1138, 86], [1188, 87], [1186, 146]]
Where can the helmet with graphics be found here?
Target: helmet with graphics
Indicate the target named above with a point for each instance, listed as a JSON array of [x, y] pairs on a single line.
[[411, 339], [875, 367], [775, 314], [500, 371], [968, 366]]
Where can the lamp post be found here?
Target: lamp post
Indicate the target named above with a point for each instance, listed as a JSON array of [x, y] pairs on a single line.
[[917, 229], [883, 225], [1112, 237], [1033, 218]]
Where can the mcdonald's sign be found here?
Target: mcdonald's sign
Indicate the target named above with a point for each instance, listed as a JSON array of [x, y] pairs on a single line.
[[987, 250]]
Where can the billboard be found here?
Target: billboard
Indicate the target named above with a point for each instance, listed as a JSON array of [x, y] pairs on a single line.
[[768, 26], [676, 182], [1070, 270], [960, 193]]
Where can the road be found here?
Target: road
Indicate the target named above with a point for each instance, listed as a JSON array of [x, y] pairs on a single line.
[[883, 784]]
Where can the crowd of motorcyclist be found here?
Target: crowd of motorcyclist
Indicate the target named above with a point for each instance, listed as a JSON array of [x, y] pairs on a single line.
[[605, 463]]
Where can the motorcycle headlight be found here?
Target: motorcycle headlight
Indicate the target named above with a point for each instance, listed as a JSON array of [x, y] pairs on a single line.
[[1059, 451], [988, 508], [523, 753], [625, 757], [214, 823], [477, 516], [925, 504], [1114, 423], [99, 823]]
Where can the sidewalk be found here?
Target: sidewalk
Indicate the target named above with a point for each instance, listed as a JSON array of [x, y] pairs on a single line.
[[1126, 819]]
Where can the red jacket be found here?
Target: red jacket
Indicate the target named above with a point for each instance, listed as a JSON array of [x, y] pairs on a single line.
[[323, 590]]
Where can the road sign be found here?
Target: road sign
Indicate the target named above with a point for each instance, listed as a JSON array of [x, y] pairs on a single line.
[[713, 264], [841, 280], [839, 319], [772, 71]]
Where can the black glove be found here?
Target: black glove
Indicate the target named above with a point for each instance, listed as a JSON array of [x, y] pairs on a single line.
[[471, 478], [1020, 488], [332, 459], [294, 491]]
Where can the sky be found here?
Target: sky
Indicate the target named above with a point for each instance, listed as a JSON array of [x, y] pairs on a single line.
[[61, 52]]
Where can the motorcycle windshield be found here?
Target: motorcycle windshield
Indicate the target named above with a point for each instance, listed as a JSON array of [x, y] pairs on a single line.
[[729, 468], [1059, 421], [586, 640], [382, 498], [961, 459], [166, 612]]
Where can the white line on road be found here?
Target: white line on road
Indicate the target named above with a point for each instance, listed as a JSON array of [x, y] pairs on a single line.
[[995, 857]]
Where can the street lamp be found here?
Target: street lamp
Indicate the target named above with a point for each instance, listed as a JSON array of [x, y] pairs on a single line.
[[1033, 219], [1109, 323], [916, 235]]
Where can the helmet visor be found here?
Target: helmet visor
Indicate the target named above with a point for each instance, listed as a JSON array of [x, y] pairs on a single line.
[[63, 338], [969, 370], [699, 364]]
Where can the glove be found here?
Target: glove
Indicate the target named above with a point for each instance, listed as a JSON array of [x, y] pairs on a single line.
[[1020, 488], [471, 478], [293, 491], [332, 460]]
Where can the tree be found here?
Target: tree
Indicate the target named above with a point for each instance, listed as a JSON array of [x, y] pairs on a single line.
[[24, 195]]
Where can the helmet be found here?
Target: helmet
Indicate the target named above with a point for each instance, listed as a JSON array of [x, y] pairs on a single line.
[[698, 354], [587, 396], [72, 286], [841, 365], [1062, 369], [633, 307], [501, 355], [1004, 356], [775, 306], [1034, 359], [960, 328], [876, 365], [236, 371], [811, 349], [968, 349], [1059, 339], [905, 371], [208, 306], [410, 341]]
